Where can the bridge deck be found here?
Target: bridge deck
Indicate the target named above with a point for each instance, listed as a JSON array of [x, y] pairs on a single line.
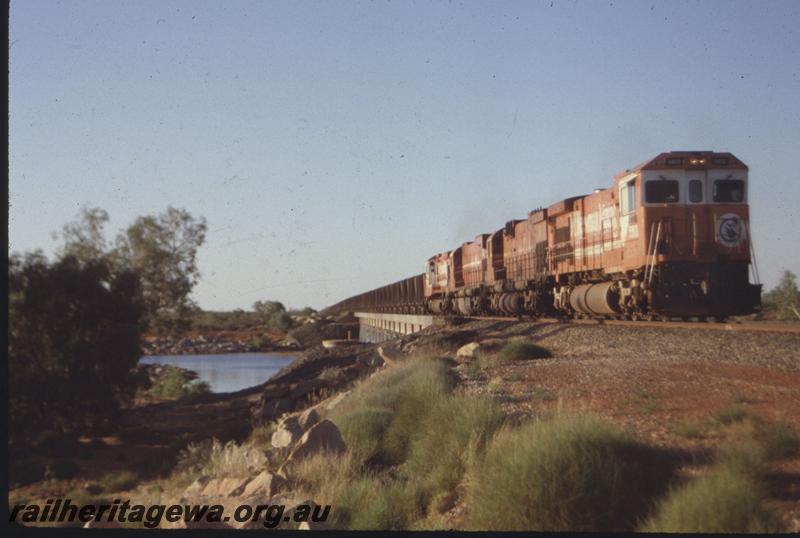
[[375, 328]]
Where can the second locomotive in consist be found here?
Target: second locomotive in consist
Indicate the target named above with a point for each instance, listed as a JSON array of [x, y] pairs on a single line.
[[669, 238]]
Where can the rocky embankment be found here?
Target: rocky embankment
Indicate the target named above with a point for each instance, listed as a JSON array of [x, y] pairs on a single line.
[[315, 375], [211, 344], [292, 408], [308, 335], [298, 436]]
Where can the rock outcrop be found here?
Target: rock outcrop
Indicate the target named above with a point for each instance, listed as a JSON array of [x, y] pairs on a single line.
[[287, 432], [322, 437], [266, 484], [468, 351]]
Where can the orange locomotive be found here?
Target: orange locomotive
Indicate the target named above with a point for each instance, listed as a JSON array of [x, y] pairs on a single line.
[[669, 238]]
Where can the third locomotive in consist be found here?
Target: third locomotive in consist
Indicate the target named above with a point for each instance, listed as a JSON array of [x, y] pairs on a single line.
[[669, 238]]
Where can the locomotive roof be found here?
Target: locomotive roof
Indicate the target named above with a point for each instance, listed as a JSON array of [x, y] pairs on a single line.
[[687, 160]]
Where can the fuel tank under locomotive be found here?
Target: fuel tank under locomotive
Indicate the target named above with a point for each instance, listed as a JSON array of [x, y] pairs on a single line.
[[600, 299]]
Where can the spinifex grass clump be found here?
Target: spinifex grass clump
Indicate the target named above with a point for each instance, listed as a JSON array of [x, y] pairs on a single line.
[[456, 430], [393, 403], [371, 502], [520, 350], [566, 473], [410, 439], [730, 415], [363, 499], [363, 429], [731, 498], [780, 441]]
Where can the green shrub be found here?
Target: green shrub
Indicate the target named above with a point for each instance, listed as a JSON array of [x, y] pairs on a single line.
[[175, 383], [363, 429], [730, 415], [520, 350], [567, 473], [456, 430], [170, 383], [195, 389], [724, 501], [72, 342], [780, 441], [689, 430]]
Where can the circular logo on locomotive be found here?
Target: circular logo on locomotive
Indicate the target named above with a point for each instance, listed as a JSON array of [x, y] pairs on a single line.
[[730, 230]]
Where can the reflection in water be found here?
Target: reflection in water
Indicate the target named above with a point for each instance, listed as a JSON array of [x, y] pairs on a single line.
[[228, 372]]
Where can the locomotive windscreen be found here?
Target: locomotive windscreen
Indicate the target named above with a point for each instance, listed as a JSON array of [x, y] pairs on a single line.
[[660, 192]]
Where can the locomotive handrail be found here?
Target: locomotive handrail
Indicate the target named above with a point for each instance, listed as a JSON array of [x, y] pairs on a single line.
[[652, 257], [753, 256]]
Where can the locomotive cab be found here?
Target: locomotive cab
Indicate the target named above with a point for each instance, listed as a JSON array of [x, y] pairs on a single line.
[[695, 222]]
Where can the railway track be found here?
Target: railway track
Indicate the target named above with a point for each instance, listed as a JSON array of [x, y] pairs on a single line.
[[750, 326]]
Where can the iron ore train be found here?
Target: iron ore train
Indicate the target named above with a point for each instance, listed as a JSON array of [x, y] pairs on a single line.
[[670, 238]]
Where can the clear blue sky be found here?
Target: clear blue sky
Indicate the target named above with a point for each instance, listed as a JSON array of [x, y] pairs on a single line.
[[334, 146]]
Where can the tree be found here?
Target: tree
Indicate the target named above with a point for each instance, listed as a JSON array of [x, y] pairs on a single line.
[[274, 314], [160, 249], [280, 321], [73, 339], [266, 309], [785, 297], [84, 238]]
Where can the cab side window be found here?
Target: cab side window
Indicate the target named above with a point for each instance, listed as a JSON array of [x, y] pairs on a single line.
[[695, 190]]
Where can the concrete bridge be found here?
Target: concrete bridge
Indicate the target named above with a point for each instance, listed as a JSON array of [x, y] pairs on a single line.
[[375, 328]]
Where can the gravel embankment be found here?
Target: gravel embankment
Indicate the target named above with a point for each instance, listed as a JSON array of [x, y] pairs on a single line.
[[773, 350]]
